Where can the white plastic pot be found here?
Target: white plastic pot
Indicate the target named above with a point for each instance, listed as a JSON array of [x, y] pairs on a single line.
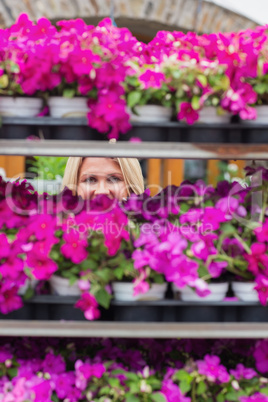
[[218, 293], [61, 286], [29, 282], [123, 291], [262, 115], [151, 114], [20, 106], [209, 115], [68, 107], [245, 291]]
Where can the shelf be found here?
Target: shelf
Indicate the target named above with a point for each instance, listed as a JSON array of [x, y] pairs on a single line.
[[134, 150], [82, 121], [133, 330]]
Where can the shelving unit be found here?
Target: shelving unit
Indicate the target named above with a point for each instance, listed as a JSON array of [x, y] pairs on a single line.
[[232, 141]]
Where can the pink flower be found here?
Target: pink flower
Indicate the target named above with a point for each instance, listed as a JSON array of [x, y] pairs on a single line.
[[212, 369], [254, 398], [74, 247], [42, 392], [64, 383], [89, 305], [82, 60], [262, 288], [9, 299], [4, 246], [187, 113], [262, 232], [258, 259], [140, 287], [241, 372], [261, 355], [152, 79], [172, 392]]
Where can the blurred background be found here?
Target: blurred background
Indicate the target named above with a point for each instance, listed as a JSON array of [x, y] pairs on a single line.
[[143, 18]]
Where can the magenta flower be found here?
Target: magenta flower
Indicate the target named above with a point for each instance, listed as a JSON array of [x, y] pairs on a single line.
[[152, 79], [89, 306], [4, 246], [261, 355], [212, 369], [9, 299], [241, 372], [258, 259], [172, 392], [64, 384], [82, 60], [262, 288], [53, 364], [42, 392], [262, 232], [254, 398], [187, 113], [74, 247]]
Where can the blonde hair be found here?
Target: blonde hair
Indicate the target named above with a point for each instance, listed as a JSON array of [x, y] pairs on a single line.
[[130, 167]]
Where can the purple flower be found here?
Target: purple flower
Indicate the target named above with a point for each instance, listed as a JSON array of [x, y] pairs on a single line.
[[261, 355], [212, 369], [173, 393], [241, 372]]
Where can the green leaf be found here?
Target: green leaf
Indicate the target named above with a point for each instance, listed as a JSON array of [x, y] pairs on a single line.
[[185, 386], [133, 98], [232, 396], [264, 391], [158, 397], [201, 388], [69, 93], [131, 398], [29, 293], [103, 298], [54, 398], [227, 228], [114, 382], [4, 81], [195, 102], [12, 372], [202, 79], [220, 398]]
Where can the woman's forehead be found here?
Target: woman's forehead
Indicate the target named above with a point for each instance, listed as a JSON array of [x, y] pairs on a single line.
[[100, 165]]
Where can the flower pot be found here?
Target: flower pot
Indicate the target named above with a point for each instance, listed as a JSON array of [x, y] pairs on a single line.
[[151, 114], [218, 292], [67, 107], [123, 291], [245, 291], [20, 106], [208, 115], [61, 286]]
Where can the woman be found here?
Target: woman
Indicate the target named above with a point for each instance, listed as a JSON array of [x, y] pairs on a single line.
[[114, 177]]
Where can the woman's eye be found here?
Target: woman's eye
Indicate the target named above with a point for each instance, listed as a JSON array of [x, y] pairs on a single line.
[[114, 179], [90, 179]]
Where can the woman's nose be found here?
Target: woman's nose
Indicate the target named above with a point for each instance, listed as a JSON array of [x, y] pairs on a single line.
[[102, 188]]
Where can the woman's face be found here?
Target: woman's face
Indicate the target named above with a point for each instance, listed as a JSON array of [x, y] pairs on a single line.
[[101, 176]]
